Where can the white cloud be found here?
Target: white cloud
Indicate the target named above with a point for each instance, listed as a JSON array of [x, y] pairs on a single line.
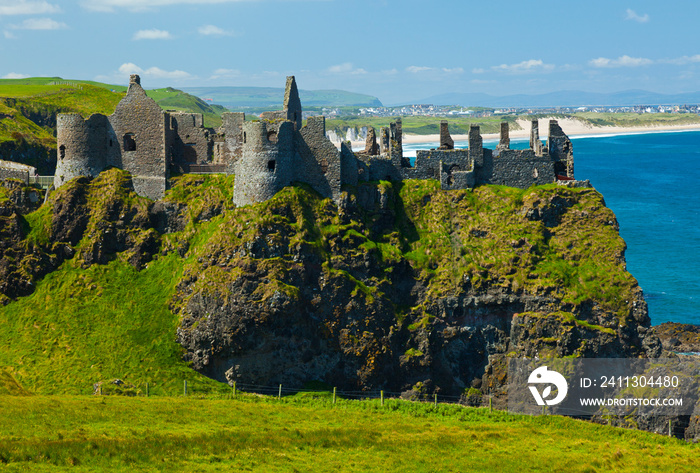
[[478, 70], [225, 74], [632, 15], [23, 7], [346, 68], [9, 35], [152, 72], [39, 24], [531, 65], [14, 75], [683, 60], [151, 34], [211, 30], [453, 70], [417, 69], [141, 5], [622, 61]]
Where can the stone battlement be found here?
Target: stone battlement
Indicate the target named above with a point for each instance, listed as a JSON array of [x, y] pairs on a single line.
[[274, 152]]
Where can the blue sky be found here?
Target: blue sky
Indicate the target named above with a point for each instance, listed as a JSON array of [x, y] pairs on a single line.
[[395, 50]]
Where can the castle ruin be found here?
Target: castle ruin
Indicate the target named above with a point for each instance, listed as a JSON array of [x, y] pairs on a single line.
[[276, 151]]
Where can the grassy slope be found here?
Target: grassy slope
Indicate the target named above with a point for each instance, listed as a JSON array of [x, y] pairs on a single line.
[[257, 434], [82, 326], [53, 95]]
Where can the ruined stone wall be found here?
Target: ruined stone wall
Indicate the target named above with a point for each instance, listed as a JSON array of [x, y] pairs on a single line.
[[381, 168], [12, 170], [291, 104], [396, 141], [516, 168], [428, 162], [267, 163], [384, 140], [140, 126], [476, 146], [446, 141], [535, 142], [193, 143], [452, 178], [561, 150], [504, 141], [320, 164], [350, 172], [84, 147], [232, 131]]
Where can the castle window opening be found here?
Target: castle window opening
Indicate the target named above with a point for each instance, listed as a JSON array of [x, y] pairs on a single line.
[[129, 142], [244, 137], [272, 136], [271, 165], [62, 151], [111, 143]]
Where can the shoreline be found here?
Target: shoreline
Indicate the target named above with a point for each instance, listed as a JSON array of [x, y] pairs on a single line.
[[571, 127]]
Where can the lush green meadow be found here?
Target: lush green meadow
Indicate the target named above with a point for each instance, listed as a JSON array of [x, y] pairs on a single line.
[[253, 433]]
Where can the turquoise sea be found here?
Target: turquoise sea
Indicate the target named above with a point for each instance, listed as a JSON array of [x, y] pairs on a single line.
[[652, 183]]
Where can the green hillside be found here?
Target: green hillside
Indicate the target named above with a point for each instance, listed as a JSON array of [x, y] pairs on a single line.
[[89, 323], [270, 98], [252, 433]]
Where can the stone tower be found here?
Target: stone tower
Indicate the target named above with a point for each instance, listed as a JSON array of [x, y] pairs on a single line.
[[85, 147], [266, 165]]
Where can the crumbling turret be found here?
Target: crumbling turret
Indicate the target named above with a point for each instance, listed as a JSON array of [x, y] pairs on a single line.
[[265, 166]]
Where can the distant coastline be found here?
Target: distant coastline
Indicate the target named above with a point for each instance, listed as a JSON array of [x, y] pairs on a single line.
[[571, 127]]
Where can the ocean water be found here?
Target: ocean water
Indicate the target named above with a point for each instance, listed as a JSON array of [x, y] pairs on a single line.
[[652, 183]]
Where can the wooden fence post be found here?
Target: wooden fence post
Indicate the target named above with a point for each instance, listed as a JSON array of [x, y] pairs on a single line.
[[185, 388], [279, 393], [333, 395], [381, 395]]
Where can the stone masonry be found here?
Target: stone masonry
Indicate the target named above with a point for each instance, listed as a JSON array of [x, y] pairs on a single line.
[[276, 151]]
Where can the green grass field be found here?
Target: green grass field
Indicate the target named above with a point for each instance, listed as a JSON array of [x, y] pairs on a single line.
[[253, 433]]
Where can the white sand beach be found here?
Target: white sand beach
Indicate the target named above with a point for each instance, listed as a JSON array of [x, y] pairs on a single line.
[[571, 127]]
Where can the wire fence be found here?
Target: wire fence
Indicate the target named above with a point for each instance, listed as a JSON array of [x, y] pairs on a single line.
[[285, 392]]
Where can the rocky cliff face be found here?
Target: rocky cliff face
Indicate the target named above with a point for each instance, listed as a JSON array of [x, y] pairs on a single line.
[[409, 288], [402, 287]]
